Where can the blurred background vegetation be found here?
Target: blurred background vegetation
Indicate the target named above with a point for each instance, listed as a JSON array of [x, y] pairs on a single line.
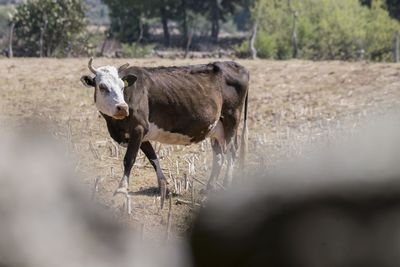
[[276, 29]]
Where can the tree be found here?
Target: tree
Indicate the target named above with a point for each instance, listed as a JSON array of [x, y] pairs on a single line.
[[394, 8], [125, 18], [217, 11], [165, 10], [48, 28]]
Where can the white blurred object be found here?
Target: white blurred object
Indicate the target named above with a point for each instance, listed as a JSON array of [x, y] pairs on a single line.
[[47, 220]]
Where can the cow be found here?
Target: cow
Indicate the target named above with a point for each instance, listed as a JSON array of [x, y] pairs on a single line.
[[173, 105]]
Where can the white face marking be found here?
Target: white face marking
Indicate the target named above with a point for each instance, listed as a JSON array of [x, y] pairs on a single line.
[[157, 134], [112, 95]]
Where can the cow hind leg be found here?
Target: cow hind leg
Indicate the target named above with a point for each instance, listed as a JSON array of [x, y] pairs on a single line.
[[218, 143], [230, 127], [148, 150], [218, 160], [231, 157]]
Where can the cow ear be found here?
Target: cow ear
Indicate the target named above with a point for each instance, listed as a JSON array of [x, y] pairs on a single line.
[[129, 80], [121, 68], [87, 81], [216, 67]]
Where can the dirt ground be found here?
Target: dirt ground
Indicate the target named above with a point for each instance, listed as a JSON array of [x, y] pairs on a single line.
[[291, 103]]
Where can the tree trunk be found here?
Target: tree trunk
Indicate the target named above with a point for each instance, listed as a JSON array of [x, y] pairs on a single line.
[[294, 36], [140, 37], [10, 38], [41, 41], [294, 30], [185, 36], [164, 21], [103, 46], [215, 16], [253, 50], [396, 46], [188, 44]]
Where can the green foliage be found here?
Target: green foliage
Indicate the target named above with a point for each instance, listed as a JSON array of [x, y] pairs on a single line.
[[325, 29], [273, 40], [379, 34], [136, 50], [340, 28], [242, 50], [266, 45], [60, 23]]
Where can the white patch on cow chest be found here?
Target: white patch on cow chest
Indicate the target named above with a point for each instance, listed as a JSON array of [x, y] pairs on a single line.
[[211, 128], [160, 135]]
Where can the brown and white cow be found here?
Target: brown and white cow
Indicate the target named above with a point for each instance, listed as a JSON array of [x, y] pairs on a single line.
[[172, 105]]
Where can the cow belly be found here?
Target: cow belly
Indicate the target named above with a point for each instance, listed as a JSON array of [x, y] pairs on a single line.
[[160, 135]]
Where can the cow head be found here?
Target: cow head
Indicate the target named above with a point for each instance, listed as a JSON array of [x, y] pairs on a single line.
[[109, 90]]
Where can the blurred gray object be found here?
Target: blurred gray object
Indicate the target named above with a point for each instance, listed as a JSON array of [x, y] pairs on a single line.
[[339, 207]]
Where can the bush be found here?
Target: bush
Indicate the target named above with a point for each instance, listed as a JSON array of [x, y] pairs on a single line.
[[242, 50], [379, 35], [136, 50], [326, 29], [266, 45], [273, 38], [340, 29]]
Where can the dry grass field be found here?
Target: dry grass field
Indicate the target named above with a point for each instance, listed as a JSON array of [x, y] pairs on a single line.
[[291, 103]]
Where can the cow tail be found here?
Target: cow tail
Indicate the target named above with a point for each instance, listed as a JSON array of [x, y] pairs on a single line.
[[243, 144]]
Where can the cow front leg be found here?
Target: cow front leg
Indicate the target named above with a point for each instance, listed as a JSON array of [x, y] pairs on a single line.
[[135, 140], [148, 150]]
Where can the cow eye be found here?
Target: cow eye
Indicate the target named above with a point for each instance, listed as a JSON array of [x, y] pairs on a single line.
[[103, 88]]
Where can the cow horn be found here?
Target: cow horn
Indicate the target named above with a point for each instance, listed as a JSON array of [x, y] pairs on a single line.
[[91, 68]]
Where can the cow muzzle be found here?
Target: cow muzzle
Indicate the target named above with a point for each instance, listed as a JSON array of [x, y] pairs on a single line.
[[122, 111]]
